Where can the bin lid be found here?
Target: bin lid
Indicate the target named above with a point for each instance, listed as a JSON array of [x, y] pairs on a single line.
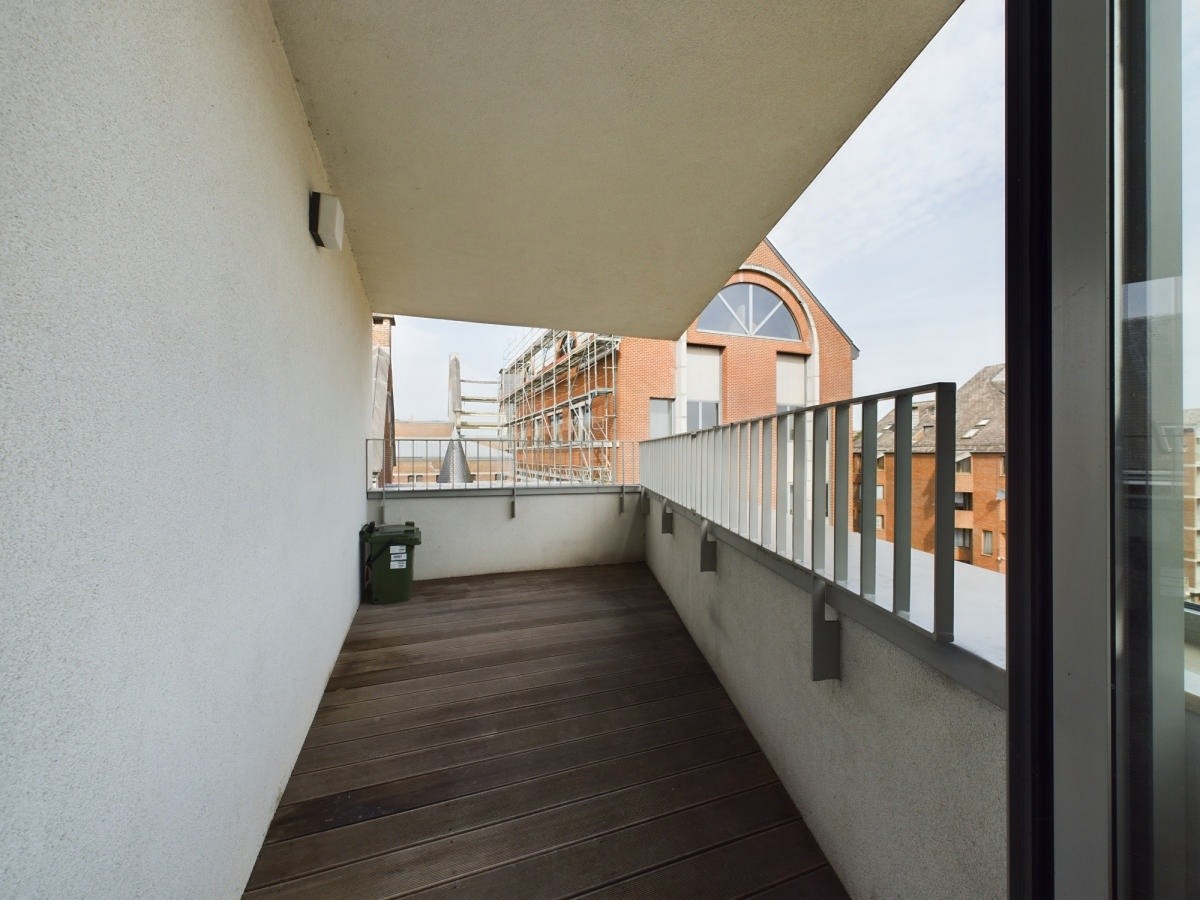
[[408, 533]]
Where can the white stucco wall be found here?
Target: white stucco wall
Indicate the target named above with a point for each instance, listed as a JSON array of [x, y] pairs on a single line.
[[475, 535], [184, 391], [899, 771]]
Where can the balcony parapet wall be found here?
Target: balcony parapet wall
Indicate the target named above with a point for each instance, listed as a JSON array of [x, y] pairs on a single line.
[[898, 769]]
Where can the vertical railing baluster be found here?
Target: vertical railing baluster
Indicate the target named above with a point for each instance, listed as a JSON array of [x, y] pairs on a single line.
[[902, 507], [869, 446], [689, 482], [820, 488], [735, 475], [841, 494], [799, 485], [709, 475], [720, 477], [743, 477], [943, 523], [781, 495], [755, 479], [768, 491]]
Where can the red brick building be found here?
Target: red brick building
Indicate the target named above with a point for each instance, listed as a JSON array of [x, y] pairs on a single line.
[[578, 405], [1191, 504], [980, 474]]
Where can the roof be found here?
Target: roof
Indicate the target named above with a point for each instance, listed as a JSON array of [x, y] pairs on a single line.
[[423, 429], [980, 406], [800, 281]]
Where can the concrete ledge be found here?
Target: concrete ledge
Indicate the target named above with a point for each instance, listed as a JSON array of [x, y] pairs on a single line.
[[899, 770], [969, 669], [475, 532]]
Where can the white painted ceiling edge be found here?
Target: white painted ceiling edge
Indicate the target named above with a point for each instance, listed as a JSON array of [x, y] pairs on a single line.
[[597, 166]]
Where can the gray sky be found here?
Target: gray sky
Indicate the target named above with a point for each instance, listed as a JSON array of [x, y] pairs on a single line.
[[901, 236]]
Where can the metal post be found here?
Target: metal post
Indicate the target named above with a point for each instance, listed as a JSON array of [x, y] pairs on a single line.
[[902, 508], [841, 494], [943, 541], [755, 480], [867, 536], [781, 485], [820, 490], [743, 478], [799, 483], [767, 489]]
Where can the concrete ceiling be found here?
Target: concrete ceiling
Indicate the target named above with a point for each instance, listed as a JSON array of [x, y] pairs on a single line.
[[599, 166]]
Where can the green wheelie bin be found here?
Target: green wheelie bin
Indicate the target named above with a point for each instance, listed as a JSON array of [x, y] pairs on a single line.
[[387, 555]]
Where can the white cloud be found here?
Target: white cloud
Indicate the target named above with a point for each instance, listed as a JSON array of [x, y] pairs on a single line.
[[901, 235]]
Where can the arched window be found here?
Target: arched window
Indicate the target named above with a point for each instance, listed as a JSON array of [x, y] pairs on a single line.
[[749, 309]]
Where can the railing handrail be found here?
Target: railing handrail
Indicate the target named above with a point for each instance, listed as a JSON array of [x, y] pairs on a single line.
[[930, 388], [737, 475], [493, 460]]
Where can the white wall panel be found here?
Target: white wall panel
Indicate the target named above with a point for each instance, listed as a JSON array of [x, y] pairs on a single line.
[[185, 388]]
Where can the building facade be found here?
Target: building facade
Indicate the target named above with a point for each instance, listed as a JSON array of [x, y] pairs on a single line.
[[578, 405], [980, 474], [1191, 505]]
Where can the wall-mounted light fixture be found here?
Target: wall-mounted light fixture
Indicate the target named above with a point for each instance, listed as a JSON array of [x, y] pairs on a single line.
[[325, 220]]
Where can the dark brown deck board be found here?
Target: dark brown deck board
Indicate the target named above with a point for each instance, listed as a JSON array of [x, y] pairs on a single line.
[[536, 735], [339, 719]]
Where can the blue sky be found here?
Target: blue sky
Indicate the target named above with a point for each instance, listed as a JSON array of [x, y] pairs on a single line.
[[901, 236]]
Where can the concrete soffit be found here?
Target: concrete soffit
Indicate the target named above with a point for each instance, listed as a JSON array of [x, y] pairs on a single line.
[[583, 166]]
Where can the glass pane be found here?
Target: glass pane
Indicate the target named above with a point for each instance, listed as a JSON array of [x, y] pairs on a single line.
[[693, 415], [772, 318], [717, 317], [1157, 732]]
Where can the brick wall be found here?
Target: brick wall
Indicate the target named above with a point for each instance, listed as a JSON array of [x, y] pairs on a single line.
[[988, 512], [645, 368]]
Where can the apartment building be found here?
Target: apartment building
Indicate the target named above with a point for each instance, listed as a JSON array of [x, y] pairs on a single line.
[[577, 405], [980, 473]]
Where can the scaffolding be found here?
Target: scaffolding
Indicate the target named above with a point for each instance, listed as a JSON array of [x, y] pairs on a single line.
[[474, 409], [558, 406]]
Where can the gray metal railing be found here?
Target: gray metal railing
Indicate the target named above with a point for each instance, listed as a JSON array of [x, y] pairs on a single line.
[[477, 463], [783, 482]]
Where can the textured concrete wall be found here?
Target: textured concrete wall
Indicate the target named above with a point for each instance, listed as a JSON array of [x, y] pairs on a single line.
[[184, 388], [899, 771], [475, 535]]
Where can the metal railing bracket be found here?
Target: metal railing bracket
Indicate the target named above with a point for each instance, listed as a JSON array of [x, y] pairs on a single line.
[[708, 548], [826, 637]]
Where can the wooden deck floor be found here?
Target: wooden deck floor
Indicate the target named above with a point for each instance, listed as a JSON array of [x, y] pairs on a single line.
[[541, 734]]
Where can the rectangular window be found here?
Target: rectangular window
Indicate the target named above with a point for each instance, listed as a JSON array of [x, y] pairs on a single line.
[[963, 500], [790, 377], [963, 465], [703, 387], [662, 415], [879, 461], [879, 492], [962, 538], [879, 523], [581, 422], [703, 414], [987, 543]]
